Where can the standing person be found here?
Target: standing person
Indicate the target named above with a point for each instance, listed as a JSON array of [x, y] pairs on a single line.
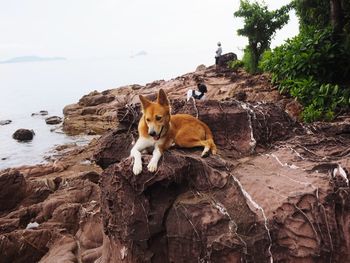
[[218, 53]]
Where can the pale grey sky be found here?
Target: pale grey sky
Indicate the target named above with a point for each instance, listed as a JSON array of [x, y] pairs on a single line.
[[108, 28]]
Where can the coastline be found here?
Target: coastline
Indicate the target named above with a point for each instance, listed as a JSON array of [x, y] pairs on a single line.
[[81, 200]]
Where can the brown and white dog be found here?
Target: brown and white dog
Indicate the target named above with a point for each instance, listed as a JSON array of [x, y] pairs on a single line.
[[160, 130]]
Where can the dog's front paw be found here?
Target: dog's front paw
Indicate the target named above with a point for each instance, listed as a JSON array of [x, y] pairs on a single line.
[[152, 167], [137, 168]]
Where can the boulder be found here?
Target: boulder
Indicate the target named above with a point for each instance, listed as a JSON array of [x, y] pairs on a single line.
[[53, 120], [23, 135], [226, 58], [5, 122]]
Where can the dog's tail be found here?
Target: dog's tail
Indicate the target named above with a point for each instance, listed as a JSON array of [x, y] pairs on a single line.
[[210, 140]]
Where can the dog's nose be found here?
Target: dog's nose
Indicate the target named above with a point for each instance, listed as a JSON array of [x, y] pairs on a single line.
[[152, 133]]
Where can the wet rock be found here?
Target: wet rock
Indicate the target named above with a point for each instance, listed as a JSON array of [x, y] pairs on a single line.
[[53, 120], [41, 113], [23, 135], [5, 122]]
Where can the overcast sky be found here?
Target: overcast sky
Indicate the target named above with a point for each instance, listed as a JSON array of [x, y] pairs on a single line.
[[111, 28]]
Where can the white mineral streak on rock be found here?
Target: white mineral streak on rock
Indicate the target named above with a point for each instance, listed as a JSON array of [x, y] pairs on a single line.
[[306, 184], [283, 164], [257, 207], [123, 252], [249, 112], [232, 224], [32, 225]]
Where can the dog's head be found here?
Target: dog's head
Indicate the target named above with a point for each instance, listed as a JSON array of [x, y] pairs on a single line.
[[156, 114]]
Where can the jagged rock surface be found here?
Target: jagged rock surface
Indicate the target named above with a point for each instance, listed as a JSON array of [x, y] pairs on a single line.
[[97, 112], [51, 212], [275, 191]]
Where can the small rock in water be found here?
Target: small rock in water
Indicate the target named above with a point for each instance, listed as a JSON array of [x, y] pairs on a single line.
[[53, 120], [23, 135], [5, 122], [42, 113]]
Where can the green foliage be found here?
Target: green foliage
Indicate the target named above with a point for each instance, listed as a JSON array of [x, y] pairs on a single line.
[[235, 64], [309, 54], [313, 68], [260, 25], [315, 13]]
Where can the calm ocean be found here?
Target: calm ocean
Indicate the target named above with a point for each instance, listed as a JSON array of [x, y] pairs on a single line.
[[29, 87]]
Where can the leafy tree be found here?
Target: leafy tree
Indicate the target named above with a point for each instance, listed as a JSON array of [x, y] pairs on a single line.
[[260, 25], [314, 66], [323, 13]]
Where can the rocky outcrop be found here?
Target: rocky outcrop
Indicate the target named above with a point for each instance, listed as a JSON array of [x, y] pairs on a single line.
[[276, 191], [240, 128], [51, 212], [23, 135], [97, 112]]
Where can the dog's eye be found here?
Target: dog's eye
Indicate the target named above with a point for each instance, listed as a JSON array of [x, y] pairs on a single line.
[[158, 118], [148, 120]]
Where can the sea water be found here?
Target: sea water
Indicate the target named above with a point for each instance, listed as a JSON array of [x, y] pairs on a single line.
[[29, 87]]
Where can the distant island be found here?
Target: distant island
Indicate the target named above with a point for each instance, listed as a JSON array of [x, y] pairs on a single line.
[[140, 53], [31, 59]]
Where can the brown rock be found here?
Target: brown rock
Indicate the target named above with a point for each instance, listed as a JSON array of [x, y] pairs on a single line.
[[13, 187], [97, 112], [276, 190], [279, 204], [250, 126], [53, 120], [226, 58], [294, 109], [23, 135]]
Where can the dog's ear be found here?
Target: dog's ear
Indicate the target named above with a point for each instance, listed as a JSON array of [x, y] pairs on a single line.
[[144, 102], [162, 98]]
